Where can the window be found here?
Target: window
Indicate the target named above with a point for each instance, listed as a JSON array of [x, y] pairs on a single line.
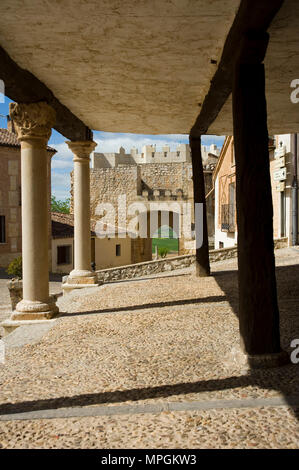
[[178, 154], [117, 250], [228, 211], [153, 154], [165, 154], [221, 245], [64, 254], [2, 229]]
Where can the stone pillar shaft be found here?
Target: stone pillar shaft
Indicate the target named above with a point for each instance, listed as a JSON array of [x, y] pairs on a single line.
[[33, 123], [202, 253], [82, 215], [81, 273], [34, 220]]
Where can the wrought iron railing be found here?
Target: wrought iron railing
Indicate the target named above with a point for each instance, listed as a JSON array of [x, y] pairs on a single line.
[[228, 218]]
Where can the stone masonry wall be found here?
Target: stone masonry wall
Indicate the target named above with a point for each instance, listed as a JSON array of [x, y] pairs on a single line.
[[107, 184], [158, 182], [170, 264], [10, 207], [10, 203], [170, 176], [145, 269]]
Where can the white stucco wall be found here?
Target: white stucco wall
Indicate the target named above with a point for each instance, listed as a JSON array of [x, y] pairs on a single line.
[[287, 141], [62, 268], [228, 239], [105, 252]]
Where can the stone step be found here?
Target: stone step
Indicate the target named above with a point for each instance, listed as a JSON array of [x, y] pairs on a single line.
[[5, 307]]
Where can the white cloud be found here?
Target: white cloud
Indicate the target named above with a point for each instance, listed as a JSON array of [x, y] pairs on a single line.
[[63, 159], [62, 165], [61, 183], [110, 142], [63, 150], [60, 179], [61, 194]]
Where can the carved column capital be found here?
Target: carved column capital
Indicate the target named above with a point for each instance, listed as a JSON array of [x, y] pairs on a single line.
[[82, 150], [32, 121]]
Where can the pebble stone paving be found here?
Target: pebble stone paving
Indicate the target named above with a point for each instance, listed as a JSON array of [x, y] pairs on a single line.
[[153, 341]]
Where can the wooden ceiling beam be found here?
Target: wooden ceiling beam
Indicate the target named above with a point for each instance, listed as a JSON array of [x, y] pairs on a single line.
[[253, 15], [23, 87]]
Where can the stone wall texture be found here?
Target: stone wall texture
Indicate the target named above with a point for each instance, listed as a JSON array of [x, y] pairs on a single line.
[[15, 287], [145, 269], [11, 203], [145, 184], [170, 264]]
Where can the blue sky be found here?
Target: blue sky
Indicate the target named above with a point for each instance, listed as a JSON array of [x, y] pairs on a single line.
[[62, 163]]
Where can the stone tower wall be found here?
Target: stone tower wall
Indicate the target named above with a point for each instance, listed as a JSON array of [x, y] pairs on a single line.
[[168, 182]]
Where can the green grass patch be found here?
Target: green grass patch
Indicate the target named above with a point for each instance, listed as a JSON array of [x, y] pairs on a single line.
[[171, 243]]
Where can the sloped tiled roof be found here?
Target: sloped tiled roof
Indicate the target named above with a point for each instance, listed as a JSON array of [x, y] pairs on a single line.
[[9, 139], [63, 226]]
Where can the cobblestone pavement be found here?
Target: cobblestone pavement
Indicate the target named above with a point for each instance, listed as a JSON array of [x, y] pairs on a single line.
[[246, 428], [153, 341]]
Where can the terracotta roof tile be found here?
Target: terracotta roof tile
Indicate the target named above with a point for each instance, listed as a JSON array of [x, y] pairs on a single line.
[[9, 139], [63, 226]]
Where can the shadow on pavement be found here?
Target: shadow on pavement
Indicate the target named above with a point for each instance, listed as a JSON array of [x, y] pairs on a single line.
[[285, 379], [255, 378]]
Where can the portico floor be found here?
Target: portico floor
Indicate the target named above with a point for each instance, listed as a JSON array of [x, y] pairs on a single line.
[[161, 344]]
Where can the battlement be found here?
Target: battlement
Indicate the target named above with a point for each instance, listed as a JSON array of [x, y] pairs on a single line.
[[149, 154]]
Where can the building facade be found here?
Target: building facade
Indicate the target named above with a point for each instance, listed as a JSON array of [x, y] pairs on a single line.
[[10, 195], [283, 168], [106, 251], [281, 155], [224, 179], [148, 178]]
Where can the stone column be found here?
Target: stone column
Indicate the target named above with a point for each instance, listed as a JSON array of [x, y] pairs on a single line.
[[33, 123], [258, 307], [82, 275], [202, 262]]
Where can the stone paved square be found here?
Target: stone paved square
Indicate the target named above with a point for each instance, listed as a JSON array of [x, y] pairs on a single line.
[[158, 341]]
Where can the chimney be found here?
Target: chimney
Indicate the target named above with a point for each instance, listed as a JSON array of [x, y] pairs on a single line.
[[10, 125]]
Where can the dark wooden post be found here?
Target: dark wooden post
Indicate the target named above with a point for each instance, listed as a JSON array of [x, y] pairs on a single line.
[[202, 253], [258, 307]]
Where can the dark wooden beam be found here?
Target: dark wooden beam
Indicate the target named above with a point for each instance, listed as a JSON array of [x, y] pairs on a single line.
[[258, 306], [23, 87], [252, 15], [202, 262]]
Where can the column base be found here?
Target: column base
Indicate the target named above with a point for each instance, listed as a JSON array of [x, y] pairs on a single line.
[[10, 325], [30, 312], [80, 280], [262, 361], [34, 310], [82, 274], [237, 357]]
